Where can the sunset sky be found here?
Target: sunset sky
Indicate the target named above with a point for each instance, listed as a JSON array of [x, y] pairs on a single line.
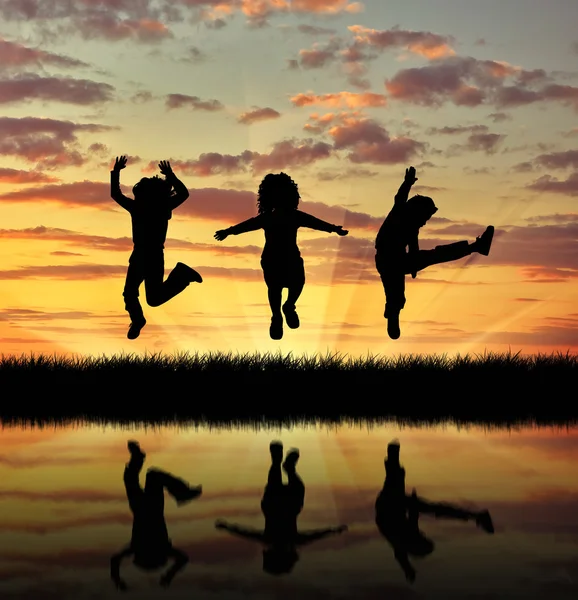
[[481, 97]]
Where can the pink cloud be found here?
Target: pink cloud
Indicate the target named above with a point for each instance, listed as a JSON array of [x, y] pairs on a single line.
[[258, 114], [467, 81], [112, 28], [18, 55], [546, 183], [19, 176], [424, 43], [48, 142], [182, 100], [29, 86], [347, 99]]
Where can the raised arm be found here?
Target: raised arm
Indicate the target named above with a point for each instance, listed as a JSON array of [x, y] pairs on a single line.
[[306, 537], [246, 532], [181, 559], [115, 561], [251, 224], [181, 191], [115, 192], [307, 220], [405, 187]]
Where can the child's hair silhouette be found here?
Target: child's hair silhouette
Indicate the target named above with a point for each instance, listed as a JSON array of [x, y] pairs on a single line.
[[277, 191]]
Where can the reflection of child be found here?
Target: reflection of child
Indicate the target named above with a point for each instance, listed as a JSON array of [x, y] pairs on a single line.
[[151, 210], [150, 544], [397, 514], [281, 505], [281, 260]]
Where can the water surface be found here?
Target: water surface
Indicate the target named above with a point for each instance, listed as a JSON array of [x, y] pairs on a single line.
[[64, 512]]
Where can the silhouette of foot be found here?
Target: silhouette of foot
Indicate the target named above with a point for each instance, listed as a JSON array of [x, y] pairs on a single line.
[[135, 451], [291, 460], [291, 316], [276, 328], [135, 328], [188, 273], [276, 450], [393, 324], [484, 521], [484, 241], [193, 492]]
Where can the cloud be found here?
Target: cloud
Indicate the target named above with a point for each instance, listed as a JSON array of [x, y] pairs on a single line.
[[19, 176], [479, 142], [30, 86], [558, 160], [50, 143], [182, 100], [499, 117], [314, 30], [423, 43], [258, 114], [15, 55], [112, 28], [466, 81], [456, 130], [345, 99], [546, 183], [142, 97]]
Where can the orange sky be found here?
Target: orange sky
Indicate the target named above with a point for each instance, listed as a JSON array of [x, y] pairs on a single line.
[[341, 95]]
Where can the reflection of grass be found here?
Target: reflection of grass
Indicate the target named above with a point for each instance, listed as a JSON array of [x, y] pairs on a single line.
[[232, 389]]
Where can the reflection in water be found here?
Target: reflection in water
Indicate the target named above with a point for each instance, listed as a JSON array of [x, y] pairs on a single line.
[[150, 544], [397, 515], [63, 512], [281, 505]]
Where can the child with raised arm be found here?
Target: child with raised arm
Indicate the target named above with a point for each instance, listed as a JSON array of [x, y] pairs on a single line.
[[281, 260], [151, 210], [397, 248]]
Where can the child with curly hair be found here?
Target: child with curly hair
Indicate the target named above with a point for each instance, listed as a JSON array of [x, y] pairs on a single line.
[[281, 261]]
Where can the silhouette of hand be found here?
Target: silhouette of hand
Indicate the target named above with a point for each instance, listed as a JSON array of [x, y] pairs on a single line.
[[165, 167], [120, 163], [413, 275], [410, 175], [340, 231], [221, 235]]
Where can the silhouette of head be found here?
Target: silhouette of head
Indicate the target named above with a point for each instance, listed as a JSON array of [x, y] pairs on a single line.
[[152, 188], [150, 560], [277, 191], [420, 209], [279, 560]]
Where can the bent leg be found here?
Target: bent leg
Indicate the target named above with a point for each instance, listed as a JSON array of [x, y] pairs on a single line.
[[296, 284], [158, 480], [158, 291], [443, 510]]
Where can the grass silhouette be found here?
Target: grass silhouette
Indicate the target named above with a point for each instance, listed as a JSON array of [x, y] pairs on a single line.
[[248, 389]]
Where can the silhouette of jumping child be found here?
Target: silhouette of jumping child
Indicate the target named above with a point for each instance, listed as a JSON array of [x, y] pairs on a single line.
[[399, 231], [281, 505], [397, 515], [151, 210], [150, 544], [281, 260]]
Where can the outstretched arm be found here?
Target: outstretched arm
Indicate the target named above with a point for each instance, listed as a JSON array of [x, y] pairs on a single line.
[[181, 559], [307, 220], [251, 224], [405, 187], [246, 532], [115, 192], [115, 561], [182, 193], [306, 537]]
